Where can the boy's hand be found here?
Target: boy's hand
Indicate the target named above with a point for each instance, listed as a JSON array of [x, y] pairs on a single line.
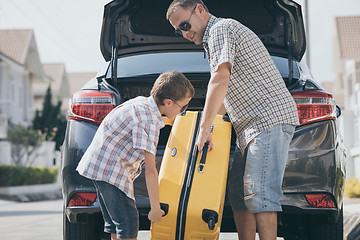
[[155, 215], [168, 121]]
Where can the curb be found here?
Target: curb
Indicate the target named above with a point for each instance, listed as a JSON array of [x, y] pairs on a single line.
[[30, 193]]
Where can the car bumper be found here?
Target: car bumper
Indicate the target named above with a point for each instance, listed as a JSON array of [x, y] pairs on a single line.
[[315, 165]]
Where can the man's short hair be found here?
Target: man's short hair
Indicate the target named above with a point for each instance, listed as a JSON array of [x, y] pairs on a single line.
[[171, 85], [185, 4]]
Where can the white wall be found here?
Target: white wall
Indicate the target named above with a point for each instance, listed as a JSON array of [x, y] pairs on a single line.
[[45, 155], [15, 93], [351, 118], [16, 104]]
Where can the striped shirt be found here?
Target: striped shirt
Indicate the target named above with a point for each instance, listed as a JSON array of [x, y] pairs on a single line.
[[257, 98], [116, 153]]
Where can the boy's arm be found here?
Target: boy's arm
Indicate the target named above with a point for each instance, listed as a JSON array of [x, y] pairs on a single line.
[[152, 184]]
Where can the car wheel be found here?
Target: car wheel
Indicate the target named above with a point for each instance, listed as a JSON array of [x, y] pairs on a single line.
[[83, 231], [313, 228], [328, 231]]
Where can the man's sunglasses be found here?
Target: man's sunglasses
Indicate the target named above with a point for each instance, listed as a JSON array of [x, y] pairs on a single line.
[[183, 109], [185, 25]]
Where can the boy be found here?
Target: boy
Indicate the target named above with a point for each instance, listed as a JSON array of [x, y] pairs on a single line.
[[128, 137]]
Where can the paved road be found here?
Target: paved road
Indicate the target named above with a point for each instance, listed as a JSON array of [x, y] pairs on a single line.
[[43, 220], [35, 220]]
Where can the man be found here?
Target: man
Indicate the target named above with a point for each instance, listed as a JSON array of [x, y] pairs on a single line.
[[246, 84]]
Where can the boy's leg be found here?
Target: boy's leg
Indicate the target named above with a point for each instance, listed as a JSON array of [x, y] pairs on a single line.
[[118, 210], [109, 227]]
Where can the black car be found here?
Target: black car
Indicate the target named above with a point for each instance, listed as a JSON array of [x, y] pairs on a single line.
[[139, 44]]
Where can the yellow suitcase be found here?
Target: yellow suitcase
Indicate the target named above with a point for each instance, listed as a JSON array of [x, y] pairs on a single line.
[[192, 185]]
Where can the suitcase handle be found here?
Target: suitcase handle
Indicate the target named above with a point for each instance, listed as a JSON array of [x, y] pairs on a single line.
[[203, 157], [165, 208], [210, 217]]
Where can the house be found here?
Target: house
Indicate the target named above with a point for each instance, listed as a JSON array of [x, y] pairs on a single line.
[[348, 84], [77, 80], [20, 68], [59, 85]]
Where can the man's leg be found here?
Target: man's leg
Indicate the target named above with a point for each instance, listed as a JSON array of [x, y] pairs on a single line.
[[264, 171], [267, 225], [245, 224], [244, 220]]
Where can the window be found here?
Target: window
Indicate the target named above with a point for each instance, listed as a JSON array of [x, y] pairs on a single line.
[[21, 97]]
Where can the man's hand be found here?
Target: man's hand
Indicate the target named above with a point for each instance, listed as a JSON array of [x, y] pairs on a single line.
[[155, 215], [203, 137]]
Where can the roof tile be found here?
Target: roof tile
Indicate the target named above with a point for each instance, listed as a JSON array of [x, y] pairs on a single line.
[[14, 43]]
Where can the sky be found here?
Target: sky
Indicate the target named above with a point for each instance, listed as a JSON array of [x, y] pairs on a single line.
[[322, 33], [68, 31]]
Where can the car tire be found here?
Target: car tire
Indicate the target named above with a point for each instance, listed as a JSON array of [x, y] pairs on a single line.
[[314, 228], [83, 231], [328, 231]]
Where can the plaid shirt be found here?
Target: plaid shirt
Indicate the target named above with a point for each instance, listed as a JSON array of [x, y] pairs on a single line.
[[257, 98], [116, 153]]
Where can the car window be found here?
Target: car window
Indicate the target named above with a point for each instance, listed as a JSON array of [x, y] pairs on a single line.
[[156, 63], [283, 66], [186, 62]]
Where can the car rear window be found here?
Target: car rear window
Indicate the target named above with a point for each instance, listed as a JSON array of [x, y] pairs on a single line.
[[186, 62]]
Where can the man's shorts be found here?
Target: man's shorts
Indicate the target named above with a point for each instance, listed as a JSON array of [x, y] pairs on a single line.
[[119, 211], [255, 179]]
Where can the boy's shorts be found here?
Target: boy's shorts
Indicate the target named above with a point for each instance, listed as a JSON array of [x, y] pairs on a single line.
[[255, 180], [119, 211]]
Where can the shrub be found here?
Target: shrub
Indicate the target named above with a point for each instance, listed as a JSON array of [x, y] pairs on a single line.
[[24, 142], [16, 176], [352, 188]]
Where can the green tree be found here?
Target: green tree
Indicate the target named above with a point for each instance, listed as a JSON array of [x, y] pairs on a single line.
[[50, 121]]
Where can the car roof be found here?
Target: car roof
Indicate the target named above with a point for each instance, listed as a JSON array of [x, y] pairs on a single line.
[[140, 26]]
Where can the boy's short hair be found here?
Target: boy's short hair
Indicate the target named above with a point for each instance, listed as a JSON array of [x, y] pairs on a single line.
[[185, 4], [171, 85]]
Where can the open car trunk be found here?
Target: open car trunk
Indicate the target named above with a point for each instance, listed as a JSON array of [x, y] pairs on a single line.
[[133, 27]]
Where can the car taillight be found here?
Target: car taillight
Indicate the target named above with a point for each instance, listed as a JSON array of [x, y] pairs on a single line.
[[320, 200], [91, 106], [82, 199], [314, 106]]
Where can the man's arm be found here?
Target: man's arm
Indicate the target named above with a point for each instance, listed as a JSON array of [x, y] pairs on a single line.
[[152, 184], [222, 110], [216, 92]]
